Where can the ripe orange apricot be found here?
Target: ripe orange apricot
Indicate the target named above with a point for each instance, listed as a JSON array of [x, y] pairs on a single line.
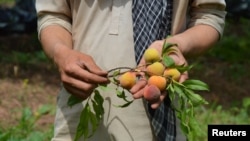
[[151, 55], [151, 93], [127, 80], [156, 68], [173, 73], [159, 81]]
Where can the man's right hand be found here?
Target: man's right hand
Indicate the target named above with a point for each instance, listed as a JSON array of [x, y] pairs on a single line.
[[79, 73]]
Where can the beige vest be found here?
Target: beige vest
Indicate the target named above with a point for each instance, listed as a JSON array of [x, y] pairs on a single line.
[[106, 32]]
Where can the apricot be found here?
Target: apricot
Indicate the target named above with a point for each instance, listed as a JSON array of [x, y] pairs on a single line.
[[151, 55], [173, 73], [156, 68], [127, 80], [159, 81], [151, 93]]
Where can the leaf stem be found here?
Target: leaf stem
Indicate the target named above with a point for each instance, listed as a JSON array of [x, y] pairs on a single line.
[[119, 68]]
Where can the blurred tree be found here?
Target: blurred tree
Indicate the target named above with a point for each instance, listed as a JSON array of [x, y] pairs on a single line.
[[238, 8], [21, 18]]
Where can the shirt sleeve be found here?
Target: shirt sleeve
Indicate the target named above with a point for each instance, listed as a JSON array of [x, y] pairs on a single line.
[[209, 12], [53, 12]]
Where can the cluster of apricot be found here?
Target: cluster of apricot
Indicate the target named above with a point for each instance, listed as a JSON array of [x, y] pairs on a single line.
[[157, 75]]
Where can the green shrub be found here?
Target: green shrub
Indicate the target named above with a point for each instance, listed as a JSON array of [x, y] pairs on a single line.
[[216, 114], [26, 129]]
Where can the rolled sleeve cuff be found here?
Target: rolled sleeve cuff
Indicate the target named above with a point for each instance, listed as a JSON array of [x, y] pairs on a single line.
[[214, 18], [53, 20]]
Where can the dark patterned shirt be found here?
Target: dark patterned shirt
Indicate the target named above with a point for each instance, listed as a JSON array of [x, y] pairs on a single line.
[[151, 22]]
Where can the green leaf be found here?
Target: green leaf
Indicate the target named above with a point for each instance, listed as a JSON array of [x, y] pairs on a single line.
[[183, 68], [179, 90], [103, 87], [246, 103], [193, 124], [99, 111], [83, 125], [168, 61], [195, 129], [97, 104], [35, 136], [122, 94], [124, 105], [98, 98], [73, 100], [166, 47], [183, 104], [115, 80], [5, 136], [171, 92], [26, 115], [44, 109], [88, 118], [195, 99], [184, 127], [94, 120], [196, 85], [116, 73], [171, 87]]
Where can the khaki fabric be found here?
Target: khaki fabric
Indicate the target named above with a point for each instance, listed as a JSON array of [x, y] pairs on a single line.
[[208, 12], [119, 124]]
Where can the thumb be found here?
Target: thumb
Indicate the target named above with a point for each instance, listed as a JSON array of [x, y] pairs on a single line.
[[92, 67]]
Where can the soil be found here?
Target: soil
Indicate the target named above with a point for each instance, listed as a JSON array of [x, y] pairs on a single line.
[[33, 85], [25, 85]]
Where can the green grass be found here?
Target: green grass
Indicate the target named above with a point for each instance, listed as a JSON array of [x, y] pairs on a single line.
[[234, 45], [7, 2], [26, 129], [217, 115], [24, 58], [233, 48]]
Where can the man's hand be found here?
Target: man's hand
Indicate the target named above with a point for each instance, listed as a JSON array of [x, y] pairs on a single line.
[[79, 73], [138, 89]]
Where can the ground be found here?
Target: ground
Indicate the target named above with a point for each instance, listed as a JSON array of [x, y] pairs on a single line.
[[36, 84]]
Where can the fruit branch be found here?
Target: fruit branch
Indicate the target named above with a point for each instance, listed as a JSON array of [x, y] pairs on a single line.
[[161, 74]]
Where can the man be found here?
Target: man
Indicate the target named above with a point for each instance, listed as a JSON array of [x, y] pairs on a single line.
[[86, 38]]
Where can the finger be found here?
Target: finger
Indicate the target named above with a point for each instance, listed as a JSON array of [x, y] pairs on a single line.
[[140, 83], [91, 66], [138, 89], [157, 45], [142, 62], [178, 59], [77, 86], [82, 74], [138, 94], [76, 92], [142, 65], [93, 78], [156, 104], [184, 76]]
